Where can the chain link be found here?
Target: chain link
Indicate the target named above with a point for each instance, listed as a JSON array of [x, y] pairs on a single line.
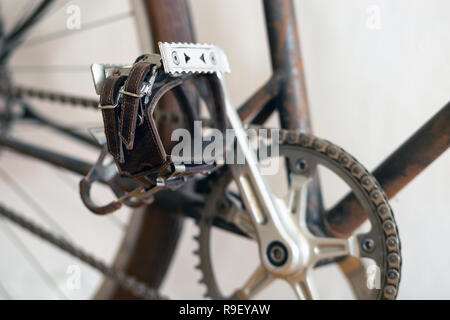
[[23, 92]]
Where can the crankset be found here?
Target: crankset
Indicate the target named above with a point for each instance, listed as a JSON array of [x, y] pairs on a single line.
[[304, 154]]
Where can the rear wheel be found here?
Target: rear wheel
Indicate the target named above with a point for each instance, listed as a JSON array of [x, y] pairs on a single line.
[[140, 243]]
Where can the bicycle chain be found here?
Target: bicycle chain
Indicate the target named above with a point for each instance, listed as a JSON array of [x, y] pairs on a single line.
[[136, 287], [161, 115], [20, 92], [367, 182]]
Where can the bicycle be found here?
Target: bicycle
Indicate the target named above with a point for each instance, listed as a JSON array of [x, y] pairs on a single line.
[[285, 92]]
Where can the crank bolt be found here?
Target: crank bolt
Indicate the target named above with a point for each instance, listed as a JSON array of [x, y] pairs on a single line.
[[175, 58], [368, 245], [277, 253], [301, 165]]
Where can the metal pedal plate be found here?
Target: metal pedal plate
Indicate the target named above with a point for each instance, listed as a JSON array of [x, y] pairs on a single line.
[[102, 71], [193, 58]]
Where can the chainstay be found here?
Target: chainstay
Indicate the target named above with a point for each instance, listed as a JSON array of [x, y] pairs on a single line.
[[127, 282], [23, 92]]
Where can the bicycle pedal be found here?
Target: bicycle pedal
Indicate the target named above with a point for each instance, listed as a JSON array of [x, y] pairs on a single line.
[[129, 95], [176, 58]]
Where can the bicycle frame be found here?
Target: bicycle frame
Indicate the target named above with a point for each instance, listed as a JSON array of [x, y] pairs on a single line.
[[284, 92]]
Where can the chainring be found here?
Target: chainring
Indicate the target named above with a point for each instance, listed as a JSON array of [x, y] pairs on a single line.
[[384, 243]]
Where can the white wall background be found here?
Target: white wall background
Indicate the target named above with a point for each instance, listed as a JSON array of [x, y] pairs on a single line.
[[372, 81]]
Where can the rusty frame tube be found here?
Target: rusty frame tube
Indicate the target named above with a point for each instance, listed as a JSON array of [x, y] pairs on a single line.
[[256, 103], [394, 173], [291, 99], [287, 64]]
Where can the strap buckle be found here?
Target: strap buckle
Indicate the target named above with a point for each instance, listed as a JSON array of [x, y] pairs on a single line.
[[146, 87], [131, 94], [108, 106], [111, 106], [146, 90], [121, 93]]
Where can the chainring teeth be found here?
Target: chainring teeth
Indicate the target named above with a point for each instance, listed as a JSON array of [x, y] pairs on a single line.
[[374, 193], [200, 266]]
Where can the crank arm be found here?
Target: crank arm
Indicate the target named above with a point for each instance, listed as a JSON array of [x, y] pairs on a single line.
[[268, 215]]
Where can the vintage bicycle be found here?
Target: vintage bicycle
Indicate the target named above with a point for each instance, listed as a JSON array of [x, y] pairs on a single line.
[[144, 101]]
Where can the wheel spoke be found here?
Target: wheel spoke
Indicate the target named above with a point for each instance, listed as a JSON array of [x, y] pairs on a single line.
[[88, 26], [27, 199], [49, 68], [259, 280], [4, 293], [32, 259]]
